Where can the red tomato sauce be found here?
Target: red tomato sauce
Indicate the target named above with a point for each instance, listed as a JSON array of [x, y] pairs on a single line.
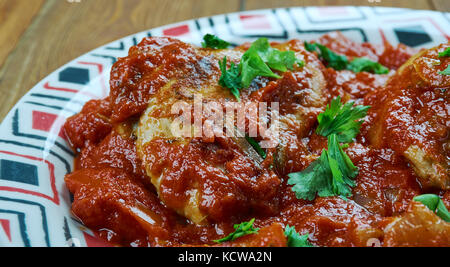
[[110, 183]]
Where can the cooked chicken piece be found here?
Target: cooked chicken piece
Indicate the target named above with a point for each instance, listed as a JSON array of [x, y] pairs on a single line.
[[429, 170], [212, 178], [301, 96], [412, 116], [419, 226], [199, 180]]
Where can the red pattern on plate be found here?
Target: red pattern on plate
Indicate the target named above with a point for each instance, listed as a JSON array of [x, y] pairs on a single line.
[[6, 228], [42, 120], [177, 31], [256, 21], [333, 11]]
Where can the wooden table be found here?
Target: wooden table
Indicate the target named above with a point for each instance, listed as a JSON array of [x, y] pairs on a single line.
[[38, 36]]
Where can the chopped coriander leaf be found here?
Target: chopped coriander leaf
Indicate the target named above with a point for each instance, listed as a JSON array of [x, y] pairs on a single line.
[[446, 71], [341, 62], [434, 203], [367, 65], [342, 168], [256, 146], [214, 42], [230, 78], [252, 66], [445, 53], [330, 175], [343, 120], [296, 240], [300, 63], [334, 60], [275, 59], [311, 47], [313, 180], [242, 229], [442, 211], [258, 60]]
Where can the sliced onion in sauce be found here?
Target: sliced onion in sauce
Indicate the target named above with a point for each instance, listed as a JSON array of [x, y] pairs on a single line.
[[362, 200]]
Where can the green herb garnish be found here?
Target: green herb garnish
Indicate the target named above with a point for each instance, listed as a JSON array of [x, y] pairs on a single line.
[[434, 203], [364, 64], [330, 175], [296, 240], [445, 53], [259, 60], [242, 229], [334, 60], [311, 47], [342, 120], [341, 62], [230, 78], [446, 71], [333, 173], [256, 146], [254, 62], [214, 42], [275, 59]]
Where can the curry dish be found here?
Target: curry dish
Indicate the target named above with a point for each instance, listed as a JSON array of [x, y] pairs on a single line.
[[136, 184]]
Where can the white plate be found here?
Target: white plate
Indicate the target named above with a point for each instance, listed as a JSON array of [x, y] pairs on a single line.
[[34, 156]]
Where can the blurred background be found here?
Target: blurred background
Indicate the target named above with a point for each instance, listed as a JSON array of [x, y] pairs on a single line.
[[38, 36]]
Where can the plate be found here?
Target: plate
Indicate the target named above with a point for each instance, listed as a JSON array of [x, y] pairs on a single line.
[[35, 156]]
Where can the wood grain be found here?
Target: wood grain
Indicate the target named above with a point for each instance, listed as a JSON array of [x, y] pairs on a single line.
[[441, 5], [15, 17], [63, 31], [38, 36], [416, 4]]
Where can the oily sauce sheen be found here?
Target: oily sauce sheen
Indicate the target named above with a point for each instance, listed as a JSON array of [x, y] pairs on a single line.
[[115, 172]]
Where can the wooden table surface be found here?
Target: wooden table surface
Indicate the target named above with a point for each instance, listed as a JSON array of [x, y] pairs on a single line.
[[38, 36]]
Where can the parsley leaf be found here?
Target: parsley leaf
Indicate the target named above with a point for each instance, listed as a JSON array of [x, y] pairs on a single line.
[[256, 146], [313, 180], [296, 240], [342, 168], [446, 71], [214, 42], [275, 59], [343, 120], [341, 62], [334, 60], [434, 203], [311, 47], [445, 53], [242, 229], [259, 60], [330, 175], [230, 78], [367, 65], [252, 66], [333, 173]]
